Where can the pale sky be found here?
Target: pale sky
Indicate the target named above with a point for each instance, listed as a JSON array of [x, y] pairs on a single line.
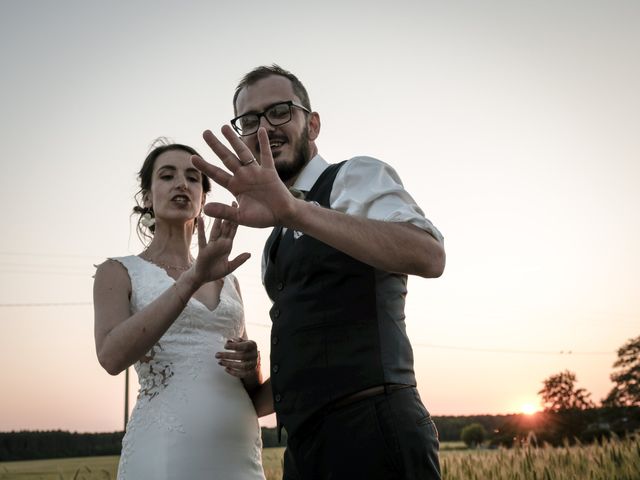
[[514, 125]]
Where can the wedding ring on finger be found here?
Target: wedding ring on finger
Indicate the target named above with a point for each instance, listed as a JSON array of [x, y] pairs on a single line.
[[244, 164]]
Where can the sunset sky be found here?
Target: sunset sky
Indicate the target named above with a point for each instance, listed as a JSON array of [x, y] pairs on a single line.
[[514, 124]]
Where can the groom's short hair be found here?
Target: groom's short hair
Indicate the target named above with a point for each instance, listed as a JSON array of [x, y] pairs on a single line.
[[265, 71]]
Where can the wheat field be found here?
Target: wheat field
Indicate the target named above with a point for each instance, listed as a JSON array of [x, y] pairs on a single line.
[[611, 460]]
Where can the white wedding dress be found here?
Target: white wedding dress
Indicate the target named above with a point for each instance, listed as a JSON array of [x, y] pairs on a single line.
[[192, 420]]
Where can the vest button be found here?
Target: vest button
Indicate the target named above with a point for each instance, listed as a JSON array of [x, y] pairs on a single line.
[[280, 286], [278, 397], [274, 340], [275, 368], [276, 312]]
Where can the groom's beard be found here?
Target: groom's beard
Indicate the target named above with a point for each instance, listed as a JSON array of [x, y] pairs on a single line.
[[287, 171]]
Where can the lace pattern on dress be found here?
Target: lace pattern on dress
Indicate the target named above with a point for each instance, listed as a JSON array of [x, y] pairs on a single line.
[[153, 375]]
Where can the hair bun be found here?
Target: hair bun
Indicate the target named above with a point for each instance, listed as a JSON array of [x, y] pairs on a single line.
[[160, 142]]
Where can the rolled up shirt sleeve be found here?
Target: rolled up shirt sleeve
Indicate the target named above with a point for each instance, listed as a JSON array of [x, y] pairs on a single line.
[[367, 187]]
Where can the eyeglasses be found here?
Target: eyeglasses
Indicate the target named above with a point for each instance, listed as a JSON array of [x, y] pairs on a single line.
[[277, 114]]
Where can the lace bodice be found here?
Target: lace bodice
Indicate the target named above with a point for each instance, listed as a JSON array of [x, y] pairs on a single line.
[[188, 342]]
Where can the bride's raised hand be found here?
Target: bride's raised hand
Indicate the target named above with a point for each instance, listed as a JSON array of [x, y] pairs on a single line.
[[213, 261]]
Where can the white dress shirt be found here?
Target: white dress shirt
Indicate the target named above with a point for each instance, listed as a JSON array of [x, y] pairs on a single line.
[[367, 187]]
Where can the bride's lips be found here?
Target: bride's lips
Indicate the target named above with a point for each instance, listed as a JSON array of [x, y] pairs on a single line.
[[180, 199]]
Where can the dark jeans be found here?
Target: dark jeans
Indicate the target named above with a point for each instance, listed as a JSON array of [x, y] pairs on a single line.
[[389, 436]]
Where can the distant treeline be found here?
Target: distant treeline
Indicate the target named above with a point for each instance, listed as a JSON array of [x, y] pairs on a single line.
[[57, 444], [34, 445], [450, 427], [505, 430], [550, 427]]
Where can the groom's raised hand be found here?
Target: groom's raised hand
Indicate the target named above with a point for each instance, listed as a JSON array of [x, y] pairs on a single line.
[[263, 200], [241, 358]]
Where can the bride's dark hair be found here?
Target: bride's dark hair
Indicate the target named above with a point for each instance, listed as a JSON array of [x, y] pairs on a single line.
[[159, 146]]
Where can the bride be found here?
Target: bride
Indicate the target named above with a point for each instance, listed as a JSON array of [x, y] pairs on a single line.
[[180, 322]]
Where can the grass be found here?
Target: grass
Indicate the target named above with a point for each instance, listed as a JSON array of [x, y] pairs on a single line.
[[86, 468], [102, 468], [615, 459], [272, 463]]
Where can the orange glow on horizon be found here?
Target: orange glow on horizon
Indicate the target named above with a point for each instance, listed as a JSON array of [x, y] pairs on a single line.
[[529, 409]]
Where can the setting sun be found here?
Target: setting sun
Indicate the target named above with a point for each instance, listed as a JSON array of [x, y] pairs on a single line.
[[528, 409]]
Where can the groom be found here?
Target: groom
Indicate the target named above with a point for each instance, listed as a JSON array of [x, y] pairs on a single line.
[[335, 266]]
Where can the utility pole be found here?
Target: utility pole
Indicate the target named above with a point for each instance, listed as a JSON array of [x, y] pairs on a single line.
[[126, 398]]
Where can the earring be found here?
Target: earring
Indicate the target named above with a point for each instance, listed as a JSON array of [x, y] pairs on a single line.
[[148, 219]]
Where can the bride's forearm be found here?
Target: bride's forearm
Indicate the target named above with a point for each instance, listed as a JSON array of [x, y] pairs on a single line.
[[127, 341]]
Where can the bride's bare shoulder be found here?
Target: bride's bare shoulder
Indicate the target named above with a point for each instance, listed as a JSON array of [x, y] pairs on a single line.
[[111, 271]]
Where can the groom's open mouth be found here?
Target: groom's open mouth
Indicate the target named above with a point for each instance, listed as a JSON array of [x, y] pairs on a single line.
[[276, 144]]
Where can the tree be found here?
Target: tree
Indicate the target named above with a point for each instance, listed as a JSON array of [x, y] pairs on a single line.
[[626, 391], [559, 393], [473, 435]]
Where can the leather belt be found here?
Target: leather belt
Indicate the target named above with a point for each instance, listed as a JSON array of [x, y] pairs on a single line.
[[367, 393]]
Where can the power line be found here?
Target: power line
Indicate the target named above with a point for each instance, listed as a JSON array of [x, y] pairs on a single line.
[[489, 350], [37, 254], [51, 304], [14, 266], [415, 344], [50, 272], [512, 351], [38, 265], [255, 324]]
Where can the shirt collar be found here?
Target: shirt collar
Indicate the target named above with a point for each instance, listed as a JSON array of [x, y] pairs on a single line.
[[310, 173]]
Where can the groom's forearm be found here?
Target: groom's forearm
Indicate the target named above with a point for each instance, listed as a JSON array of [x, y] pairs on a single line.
[[398, 247], [253, 380], [262, 399]]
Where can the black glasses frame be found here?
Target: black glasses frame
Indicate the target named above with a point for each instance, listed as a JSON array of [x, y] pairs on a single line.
[[289, 103]]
